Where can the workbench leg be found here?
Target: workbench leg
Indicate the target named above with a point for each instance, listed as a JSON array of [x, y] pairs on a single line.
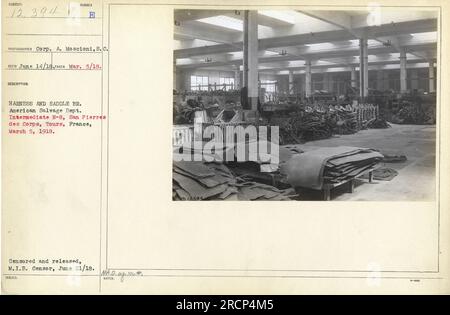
[[326, 194], [351, 186], [370, 177]]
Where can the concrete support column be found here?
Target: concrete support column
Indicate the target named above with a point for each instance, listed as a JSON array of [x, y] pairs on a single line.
[[330, 82], [237, 78], [308, 82], [175, 74], [281, 84], [251, 58], [354, 80], [380, 84], [431, 76], [291, 82], [414, 80], [403, 85], [363, 69], [327, 82], [386, 80]]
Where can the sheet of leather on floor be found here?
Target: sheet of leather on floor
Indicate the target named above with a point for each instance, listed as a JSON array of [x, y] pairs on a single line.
[[307, 169]]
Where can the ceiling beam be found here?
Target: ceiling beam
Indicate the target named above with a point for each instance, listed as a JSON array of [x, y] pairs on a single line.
[[308, 54], [343, 64], [191, 15], [262, 19], [337, 18], [311, 38], [203, 33]]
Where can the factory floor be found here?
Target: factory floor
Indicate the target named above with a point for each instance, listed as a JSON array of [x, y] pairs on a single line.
[[416, 179]]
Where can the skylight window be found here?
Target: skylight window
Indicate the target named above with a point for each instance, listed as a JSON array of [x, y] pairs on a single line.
[[224, 21], [183, 61], [324, 63], [285, 16], [236, 54], [370, 42], [321, 46], [270, 53], [432, 36], [296, 63]]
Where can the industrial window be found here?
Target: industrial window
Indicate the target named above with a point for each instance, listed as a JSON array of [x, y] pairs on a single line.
[[227, 83], [269, 85], [199, 83]]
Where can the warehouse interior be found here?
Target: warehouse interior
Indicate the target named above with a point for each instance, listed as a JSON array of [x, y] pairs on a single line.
[[352, 92]]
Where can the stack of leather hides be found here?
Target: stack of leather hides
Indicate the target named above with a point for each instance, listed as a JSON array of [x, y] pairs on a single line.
[[193, 180], [317, 166]]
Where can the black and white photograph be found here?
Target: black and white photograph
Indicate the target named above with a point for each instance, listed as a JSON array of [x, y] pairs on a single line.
[[225, 152], [299, 104]]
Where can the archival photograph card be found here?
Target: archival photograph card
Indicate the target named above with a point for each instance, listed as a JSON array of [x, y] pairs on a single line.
[[198, 147]]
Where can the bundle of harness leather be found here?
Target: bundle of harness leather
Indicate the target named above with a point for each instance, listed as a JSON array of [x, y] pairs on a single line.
[[316, 167], [214, 181], [413, 113], [315, 124], [305, 126]]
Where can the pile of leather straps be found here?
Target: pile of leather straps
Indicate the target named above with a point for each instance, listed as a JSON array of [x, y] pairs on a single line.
[[377, 123], [303, 126], [413, 113]]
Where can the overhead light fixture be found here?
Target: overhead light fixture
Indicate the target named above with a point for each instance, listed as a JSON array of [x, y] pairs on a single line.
[[387, 43], [224, 21], [208, 59], [283, 52]]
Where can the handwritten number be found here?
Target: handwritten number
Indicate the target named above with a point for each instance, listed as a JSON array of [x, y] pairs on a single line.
[[17, 13], [53, 11], [35, 12]]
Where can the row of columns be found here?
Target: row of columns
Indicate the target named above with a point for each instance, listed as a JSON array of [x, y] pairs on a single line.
[[250, 67], [382, 80]]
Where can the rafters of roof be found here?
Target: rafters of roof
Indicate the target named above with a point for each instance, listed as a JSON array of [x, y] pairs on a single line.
[[311, 38], [322, 35], [306, 53]]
